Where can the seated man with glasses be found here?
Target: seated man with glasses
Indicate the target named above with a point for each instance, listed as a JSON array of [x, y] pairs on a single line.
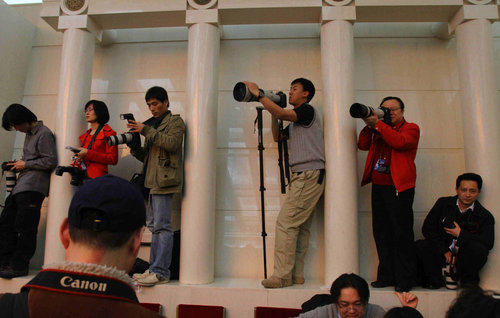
[[350, 295]]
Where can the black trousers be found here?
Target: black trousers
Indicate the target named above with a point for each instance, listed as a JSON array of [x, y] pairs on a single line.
[[18, 228], [392, 221], [470, 259]]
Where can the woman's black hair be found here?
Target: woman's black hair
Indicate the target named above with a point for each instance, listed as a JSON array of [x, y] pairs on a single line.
[[350, 281], [17, 114], [100, 109]]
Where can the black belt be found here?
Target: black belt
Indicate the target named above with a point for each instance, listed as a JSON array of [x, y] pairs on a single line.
[[320, 177]]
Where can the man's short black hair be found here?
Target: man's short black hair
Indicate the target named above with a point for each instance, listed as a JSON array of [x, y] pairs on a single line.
[[100, 239], [307, 86], [470, 177], [401, 104], [100, 109], [158, 93], [350, 281], [17, 114]]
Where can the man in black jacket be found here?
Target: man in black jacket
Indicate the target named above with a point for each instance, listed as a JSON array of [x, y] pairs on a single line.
[[457, 226]]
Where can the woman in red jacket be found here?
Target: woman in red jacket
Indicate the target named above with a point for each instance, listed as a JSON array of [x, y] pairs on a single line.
[[96, 158]]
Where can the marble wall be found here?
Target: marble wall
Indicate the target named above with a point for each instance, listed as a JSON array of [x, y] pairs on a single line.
[[420, 69]]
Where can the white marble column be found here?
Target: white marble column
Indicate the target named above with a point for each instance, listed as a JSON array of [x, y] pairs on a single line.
[[341, 192], [481, 128], [198, 205], [74, 91]]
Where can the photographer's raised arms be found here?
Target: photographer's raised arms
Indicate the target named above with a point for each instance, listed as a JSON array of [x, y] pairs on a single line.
[[390, 167], [162, 169], [20, 216], [307, 161]]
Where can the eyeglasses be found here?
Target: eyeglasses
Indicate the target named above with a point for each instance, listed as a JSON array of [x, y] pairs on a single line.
[[89, 109], [357, 306]]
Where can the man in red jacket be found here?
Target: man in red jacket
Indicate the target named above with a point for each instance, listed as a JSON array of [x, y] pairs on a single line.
[[390, 167]]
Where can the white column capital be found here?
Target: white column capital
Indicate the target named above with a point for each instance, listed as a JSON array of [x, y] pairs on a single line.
[[346, 13], [83, 22], [202, 16], [472, 12]]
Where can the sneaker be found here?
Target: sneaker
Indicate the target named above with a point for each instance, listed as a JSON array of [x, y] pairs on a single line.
[[276, 282], [141, 275], [151, 279]]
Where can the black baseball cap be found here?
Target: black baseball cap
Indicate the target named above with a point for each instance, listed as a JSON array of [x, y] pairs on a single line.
[[107, 203]]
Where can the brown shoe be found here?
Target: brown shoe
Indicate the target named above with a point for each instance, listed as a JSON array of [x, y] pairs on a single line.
[[298, 280], [276, 282]]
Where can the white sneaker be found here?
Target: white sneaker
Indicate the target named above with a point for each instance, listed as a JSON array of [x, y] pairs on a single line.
[[141, 275], [151, 279]]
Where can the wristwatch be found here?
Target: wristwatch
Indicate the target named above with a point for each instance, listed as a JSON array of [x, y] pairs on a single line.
[[261, 94]]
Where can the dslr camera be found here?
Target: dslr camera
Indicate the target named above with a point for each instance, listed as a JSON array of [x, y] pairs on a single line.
[[77, 174], [129, 138], [358, 110], [10, 176], [447, 223]]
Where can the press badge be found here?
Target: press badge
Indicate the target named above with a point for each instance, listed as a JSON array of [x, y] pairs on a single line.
[[380, 166]]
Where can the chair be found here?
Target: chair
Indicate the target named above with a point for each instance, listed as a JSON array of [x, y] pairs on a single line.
[[276, 312], [153, 306], [200, 311]]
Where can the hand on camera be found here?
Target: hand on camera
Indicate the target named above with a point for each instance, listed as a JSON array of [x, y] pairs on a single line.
[[447, 257], [253, 88], [455, 232], [371, 120], [82, 154], [17, 165], [135, 126]]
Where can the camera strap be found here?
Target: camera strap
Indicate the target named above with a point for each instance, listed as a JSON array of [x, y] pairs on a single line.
[[93, 137]]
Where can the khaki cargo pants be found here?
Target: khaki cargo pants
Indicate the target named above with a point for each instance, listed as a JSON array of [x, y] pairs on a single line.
[[294, 222]]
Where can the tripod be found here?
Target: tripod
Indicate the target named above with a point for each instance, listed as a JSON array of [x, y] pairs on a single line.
[[262, 188]]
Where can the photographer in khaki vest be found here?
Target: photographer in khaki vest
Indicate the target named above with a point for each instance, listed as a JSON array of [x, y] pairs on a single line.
[[162, 168], [307, 161]]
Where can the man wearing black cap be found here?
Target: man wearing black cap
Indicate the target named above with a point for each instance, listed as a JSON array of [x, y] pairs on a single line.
[[101, 236]]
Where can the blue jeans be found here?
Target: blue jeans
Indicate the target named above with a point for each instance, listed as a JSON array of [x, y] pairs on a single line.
[[158, 222]]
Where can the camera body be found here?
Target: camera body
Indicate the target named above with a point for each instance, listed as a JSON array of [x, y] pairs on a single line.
[[447, 223], [129, 138], [358, 110], [77, 174], [10, 176], [127, 116]]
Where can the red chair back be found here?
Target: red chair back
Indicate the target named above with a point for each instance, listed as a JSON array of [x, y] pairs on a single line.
[[276, 312], [200, 311]]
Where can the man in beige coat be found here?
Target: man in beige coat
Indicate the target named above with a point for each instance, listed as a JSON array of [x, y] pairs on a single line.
[[163, 164]]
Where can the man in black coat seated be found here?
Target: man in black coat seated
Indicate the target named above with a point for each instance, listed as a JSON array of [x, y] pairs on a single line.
[[458, 224]]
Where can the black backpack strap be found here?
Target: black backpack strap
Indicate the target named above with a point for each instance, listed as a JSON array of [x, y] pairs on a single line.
[[15, 305]]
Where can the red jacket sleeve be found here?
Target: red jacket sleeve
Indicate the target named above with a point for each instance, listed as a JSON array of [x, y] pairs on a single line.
[[365, 138]]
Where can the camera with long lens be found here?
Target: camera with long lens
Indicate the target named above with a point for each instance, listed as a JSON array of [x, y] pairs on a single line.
[[129, 138], [242, 94], [10, 176], [77, 174], [358, 110]]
